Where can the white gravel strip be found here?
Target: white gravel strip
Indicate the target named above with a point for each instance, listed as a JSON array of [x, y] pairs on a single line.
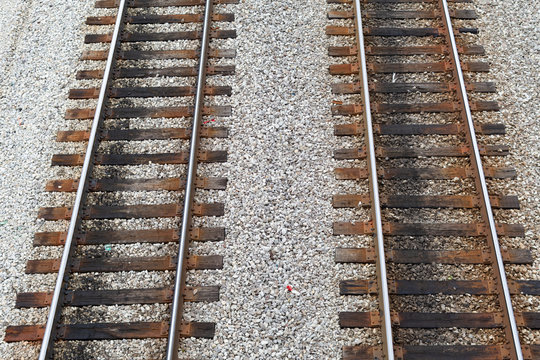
[[509, 32], [278, 210]]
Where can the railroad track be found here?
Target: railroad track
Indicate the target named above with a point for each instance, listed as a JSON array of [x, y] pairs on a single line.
[[103, 221], [405, 84]]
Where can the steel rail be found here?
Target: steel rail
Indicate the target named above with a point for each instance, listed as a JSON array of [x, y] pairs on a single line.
[[180, 280], [384, 298], [47, 345], [486, 210]]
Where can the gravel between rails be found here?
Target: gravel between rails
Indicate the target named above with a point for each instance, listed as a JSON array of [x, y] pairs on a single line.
[[278, 211]]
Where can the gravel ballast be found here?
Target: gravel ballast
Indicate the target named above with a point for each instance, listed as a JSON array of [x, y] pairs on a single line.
[[280, 170], [39, 48], [509, 33]]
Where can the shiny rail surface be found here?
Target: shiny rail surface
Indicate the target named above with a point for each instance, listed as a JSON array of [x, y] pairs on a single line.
[[47, 345], [384, 298], [178, 301], [480, 180]]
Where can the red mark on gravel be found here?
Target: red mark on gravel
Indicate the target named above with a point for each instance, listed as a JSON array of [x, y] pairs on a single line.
[[289, 287]]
